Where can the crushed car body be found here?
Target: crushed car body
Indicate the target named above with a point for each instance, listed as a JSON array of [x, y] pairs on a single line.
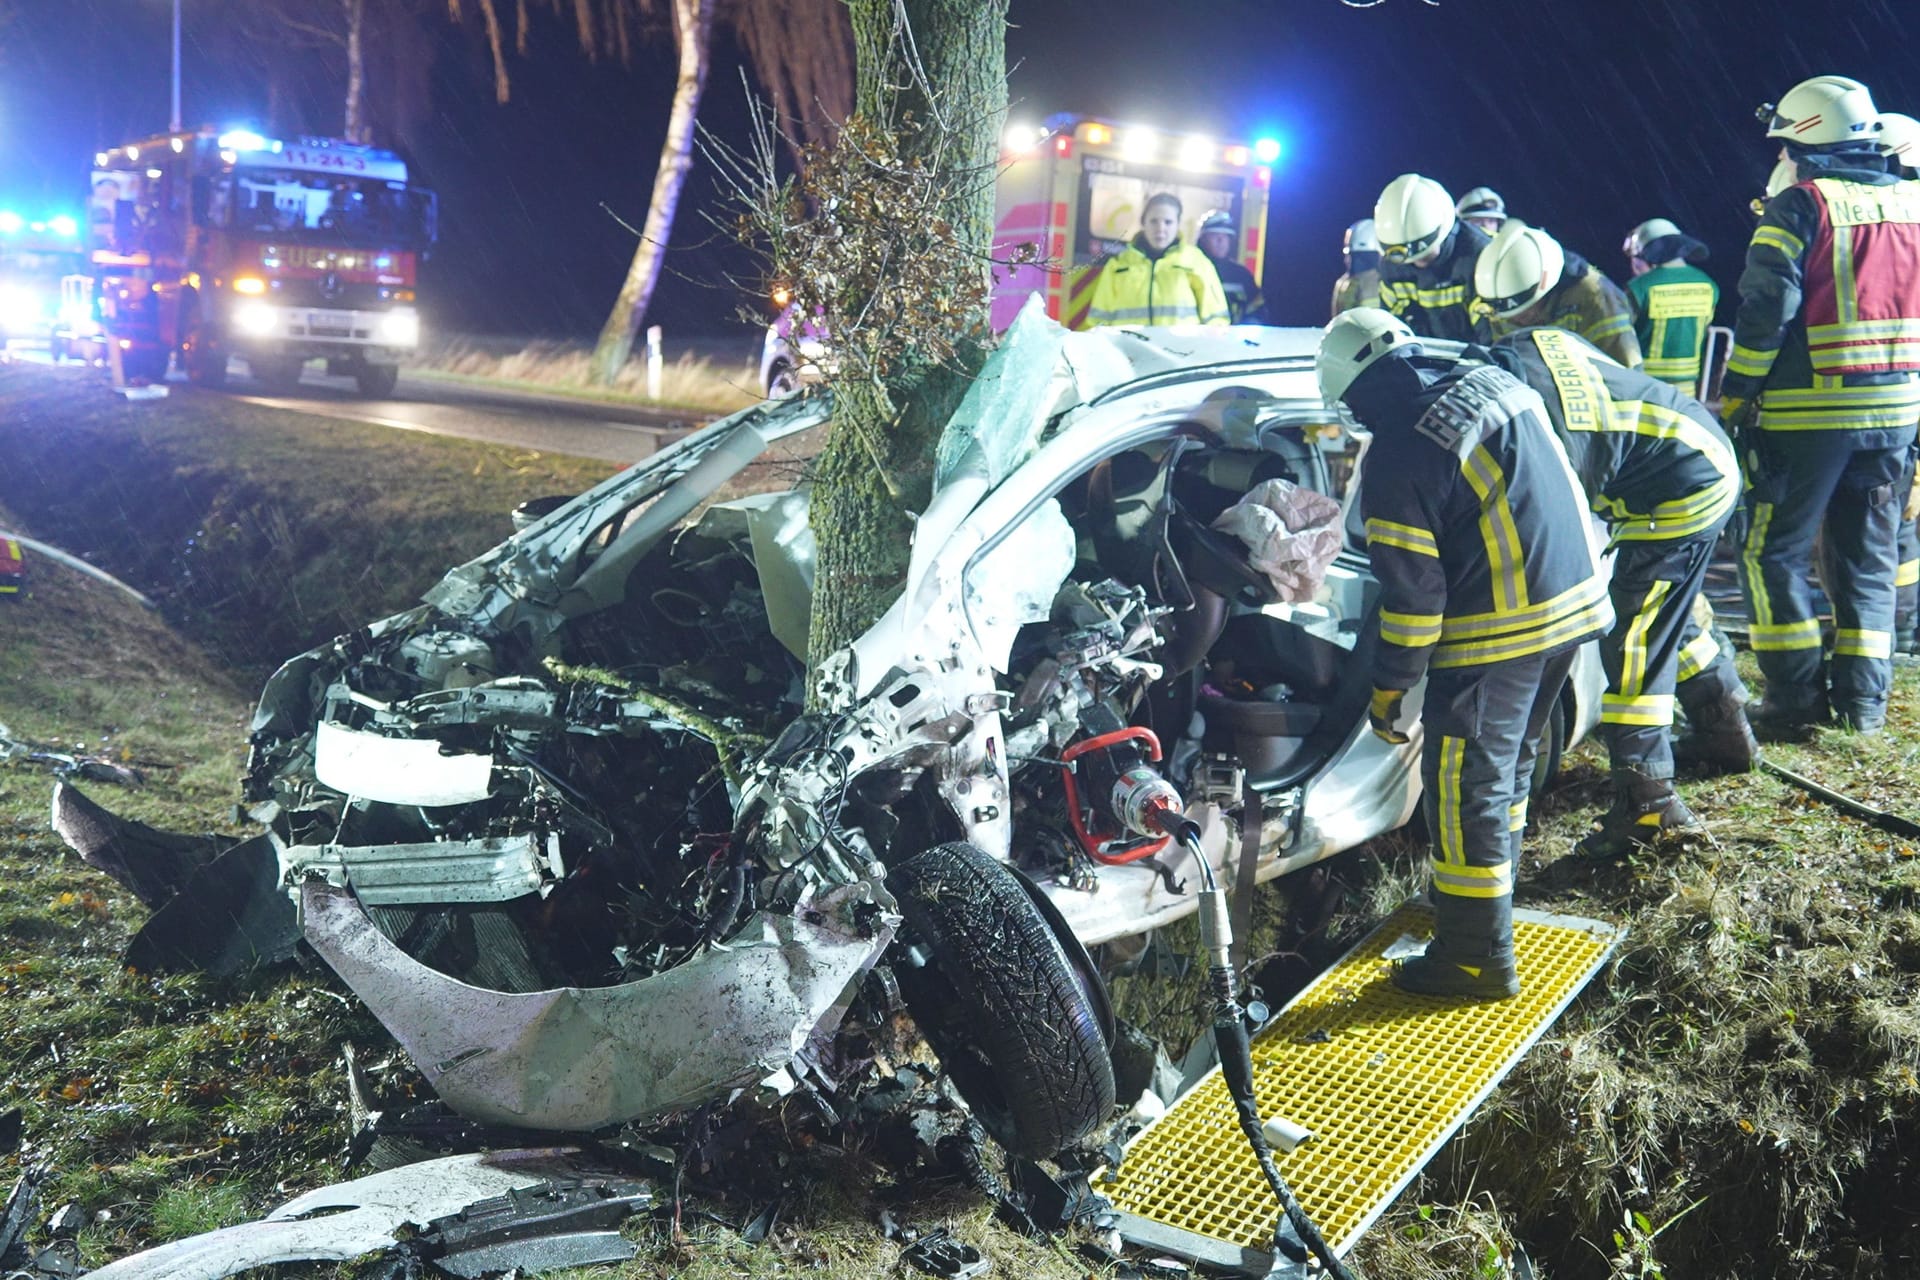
[[571, 833]]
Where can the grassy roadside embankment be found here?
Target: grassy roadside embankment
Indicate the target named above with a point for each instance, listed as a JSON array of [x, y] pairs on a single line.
[[1736, 1097]]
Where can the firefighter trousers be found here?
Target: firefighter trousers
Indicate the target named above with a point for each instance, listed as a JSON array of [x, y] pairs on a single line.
[[1906, 575], [1659, 644], [1798, 481], [1482, 729]]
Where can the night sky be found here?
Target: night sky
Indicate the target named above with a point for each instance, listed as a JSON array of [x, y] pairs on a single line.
[[1587, 115]]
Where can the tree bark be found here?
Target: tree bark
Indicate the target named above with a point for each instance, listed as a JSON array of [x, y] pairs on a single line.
[[943, 63], [357, 127], [693, 27]]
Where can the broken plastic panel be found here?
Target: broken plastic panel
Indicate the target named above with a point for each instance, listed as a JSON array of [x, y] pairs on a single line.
[[578, 1059], [398, 770], [352, 1219], [1015, 583]]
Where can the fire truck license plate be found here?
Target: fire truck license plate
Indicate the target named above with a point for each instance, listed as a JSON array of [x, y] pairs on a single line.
[[330, 324]]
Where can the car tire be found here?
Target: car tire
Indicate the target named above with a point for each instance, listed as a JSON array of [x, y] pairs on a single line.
[[1001, 1001], [278, 374], [1553, 747], [377, 381], [782, 382]]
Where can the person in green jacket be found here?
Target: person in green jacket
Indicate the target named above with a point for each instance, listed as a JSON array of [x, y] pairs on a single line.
[[1159, 279], [1672, 301]]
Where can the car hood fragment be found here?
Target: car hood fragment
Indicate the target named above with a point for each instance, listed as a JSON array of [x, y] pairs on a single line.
[[470, 1205]]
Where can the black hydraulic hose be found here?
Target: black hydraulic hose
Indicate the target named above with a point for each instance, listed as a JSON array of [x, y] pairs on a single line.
[[1236, 1052], [1888, 822]]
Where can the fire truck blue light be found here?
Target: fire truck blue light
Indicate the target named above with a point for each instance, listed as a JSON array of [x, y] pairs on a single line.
[[1266, 150]]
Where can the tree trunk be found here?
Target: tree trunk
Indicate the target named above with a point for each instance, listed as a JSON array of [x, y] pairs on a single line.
[[357, 128], [693, 26], [906, 50]]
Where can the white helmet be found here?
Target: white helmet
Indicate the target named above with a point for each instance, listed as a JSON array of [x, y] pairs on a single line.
[[1412, 215], [1645, 234], [1360, 238], [1823, 111], [1900, 139], [1784, 175], [1353, 343], [1481, 202], [1519, 266]]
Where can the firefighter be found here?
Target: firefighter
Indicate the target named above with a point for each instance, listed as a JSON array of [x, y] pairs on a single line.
[[1218, 239], [1525, 278], [1478, 535], [1826, 344], [1426, 272], [1359, 284], [1159, 279], [1657, 467], [1482, 207], [1672, 300], [1900, 143]]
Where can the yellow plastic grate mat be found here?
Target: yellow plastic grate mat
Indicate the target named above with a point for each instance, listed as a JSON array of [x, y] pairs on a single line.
[[1379, 1077]]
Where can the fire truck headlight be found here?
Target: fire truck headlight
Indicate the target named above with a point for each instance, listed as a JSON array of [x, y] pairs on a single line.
[[400, 328], [256, 319], [250, 285]]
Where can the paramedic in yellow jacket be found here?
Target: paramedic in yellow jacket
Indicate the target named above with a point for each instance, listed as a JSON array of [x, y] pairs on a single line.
[[1159, 278]]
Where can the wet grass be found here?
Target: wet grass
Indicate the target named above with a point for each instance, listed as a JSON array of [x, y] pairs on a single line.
[[693, 383]]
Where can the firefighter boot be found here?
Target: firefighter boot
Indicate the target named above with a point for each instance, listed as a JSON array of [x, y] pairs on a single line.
[[1863, 716], [1471, 954], [1643, 809], [1718, 738], [1789, 714]]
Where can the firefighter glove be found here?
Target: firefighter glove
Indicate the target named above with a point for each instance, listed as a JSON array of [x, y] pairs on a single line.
[[1735, 410], [1383, 714]]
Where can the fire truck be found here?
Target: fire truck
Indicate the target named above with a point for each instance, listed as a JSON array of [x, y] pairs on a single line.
[[1069, 195], [210, 245]]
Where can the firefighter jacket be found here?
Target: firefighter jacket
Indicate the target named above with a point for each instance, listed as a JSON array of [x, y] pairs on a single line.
[[1477, 531], [1828, 332], [1245, 303], [1176, 286], [1356, 289], [1587, 303], [1436, 300], [1654, 463], [1673, 308]]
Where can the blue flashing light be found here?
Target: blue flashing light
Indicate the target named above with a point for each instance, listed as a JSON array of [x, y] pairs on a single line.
[[63, 226], [242, 140], [11, 222], [1266, 150]]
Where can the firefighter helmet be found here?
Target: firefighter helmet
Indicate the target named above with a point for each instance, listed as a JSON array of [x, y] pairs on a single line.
[[1481, 202], [1217, 220], [1353, 343], [1518, 268], [1900, 139], [1645, 234], [1360, 238], [1823, 112], [1412, 216]]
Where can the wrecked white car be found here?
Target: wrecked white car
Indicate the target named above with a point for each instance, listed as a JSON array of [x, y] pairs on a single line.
[[567, 832]]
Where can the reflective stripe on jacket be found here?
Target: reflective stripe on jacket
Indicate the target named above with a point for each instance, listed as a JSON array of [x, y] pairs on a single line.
[[1673, 308], [1654, 463], [1178, 287], [1828, 332], [1587, 303], [1436, 300], [1477, 531]]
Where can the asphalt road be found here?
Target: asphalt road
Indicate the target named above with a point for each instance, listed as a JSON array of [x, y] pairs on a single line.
[[550, 424]]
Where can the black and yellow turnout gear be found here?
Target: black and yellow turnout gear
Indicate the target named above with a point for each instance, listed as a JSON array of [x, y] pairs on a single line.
[[1587, 303], [1659, 470], [1478, 535], [1828, 338], [1436, 300]]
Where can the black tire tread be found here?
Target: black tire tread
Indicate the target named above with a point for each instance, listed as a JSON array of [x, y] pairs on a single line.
[[1014, 999]]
